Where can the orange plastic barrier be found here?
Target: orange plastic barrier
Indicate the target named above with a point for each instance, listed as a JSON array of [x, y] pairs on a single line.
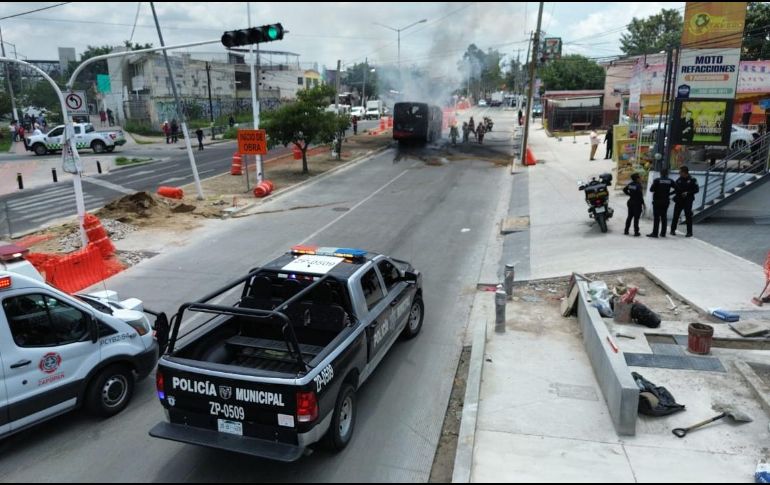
[[171, 192], [96, 234], [237, 166], [262, 189], [75, 271], [530, 159]]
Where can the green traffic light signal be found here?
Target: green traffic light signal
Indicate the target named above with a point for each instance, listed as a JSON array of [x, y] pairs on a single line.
[[253, 35], [272, 32]]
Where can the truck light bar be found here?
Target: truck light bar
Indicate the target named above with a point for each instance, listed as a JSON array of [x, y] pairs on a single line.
[[5, 282], [347, 253]]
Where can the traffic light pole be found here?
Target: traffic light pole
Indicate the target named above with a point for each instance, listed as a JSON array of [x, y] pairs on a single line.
[[254, 95], [179, 110]]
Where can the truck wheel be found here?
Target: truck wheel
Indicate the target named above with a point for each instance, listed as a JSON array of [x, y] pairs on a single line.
[[110, 391], [40, 149], [414, 322], [110, 149], [98, 146], [343, 420]]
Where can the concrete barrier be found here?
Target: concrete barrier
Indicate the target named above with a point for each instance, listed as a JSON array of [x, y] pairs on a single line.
[[612, 373]]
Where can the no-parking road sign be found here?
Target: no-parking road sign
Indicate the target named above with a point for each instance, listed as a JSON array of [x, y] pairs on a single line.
[[76, 103]]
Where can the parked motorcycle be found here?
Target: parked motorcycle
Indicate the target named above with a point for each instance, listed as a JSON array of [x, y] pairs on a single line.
[[597, 198], [488, 124]]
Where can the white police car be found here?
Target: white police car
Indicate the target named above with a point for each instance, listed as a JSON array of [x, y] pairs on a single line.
[[58, 352]]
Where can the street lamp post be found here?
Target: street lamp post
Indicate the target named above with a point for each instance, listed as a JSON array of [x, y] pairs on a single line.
[[398, 31], [363, 88]]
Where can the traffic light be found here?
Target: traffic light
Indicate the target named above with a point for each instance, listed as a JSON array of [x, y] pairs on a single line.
[[253, 35]]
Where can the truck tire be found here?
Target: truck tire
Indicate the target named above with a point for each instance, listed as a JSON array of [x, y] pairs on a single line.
[[110, 391], [343, 420], [39, 149], [414, 321], [98, 146]]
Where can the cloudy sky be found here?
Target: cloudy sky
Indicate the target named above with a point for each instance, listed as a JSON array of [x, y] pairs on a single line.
[[325, 32]]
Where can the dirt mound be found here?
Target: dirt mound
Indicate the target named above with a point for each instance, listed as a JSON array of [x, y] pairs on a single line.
[[138, 203]]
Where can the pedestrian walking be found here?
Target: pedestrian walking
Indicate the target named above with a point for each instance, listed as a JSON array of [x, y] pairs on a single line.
[[12, 128], [355, 125], [521, 118], [22, 136], [662, 188], [174, 131], [594, 143], [686, 187], [635, 203], [746, 113], [110, 117], [199, 134], [480, 133], [231, 121], [472, 126], [103, 117], [608, 140], [166, 131]]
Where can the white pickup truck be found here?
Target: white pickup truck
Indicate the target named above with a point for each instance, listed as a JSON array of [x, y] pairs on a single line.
[[85, 137]]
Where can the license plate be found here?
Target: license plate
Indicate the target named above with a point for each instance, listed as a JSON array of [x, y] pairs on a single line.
[[230, 427], [600, 210]]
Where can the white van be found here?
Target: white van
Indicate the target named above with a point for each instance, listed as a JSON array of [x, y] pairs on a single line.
[[58, 352]]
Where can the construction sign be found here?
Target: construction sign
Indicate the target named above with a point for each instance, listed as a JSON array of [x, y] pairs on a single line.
[[252, 142]]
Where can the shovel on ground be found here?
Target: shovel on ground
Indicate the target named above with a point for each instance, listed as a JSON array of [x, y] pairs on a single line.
[[733, 414]]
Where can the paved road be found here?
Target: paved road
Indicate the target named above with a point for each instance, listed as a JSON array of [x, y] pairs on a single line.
[[440, 217], [34, 208]]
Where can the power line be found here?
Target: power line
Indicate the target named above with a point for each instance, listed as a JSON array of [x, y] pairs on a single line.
[[33, 11]]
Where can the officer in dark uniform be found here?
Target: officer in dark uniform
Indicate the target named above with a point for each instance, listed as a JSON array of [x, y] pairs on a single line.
[[635, 203], [686, 188], [662, 188]]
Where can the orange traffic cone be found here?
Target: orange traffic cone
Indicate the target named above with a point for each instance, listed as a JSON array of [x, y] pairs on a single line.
[[237, 167], [530, 159]]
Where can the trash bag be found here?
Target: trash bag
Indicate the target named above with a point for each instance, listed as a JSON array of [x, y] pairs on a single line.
[[655, 400], [600, 296], [644, 316]]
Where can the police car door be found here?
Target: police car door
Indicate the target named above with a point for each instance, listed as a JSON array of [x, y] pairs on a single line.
[[378, 331], [53, 139], [397, 296], [47, 352]]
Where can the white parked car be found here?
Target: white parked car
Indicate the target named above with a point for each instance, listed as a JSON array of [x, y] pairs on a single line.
[[482, 102], [85, 137], [357, 111], [739, 137]]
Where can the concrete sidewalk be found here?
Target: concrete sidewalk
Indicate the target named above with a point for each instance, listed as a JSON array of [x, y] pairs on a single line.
[[563, 239], [36, 171], [536, 413]]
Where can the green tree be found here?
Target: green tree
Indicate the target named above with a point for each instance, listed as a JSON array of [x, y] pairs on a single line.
[[572, 72], [87, 77], [355, 79], [653, 34], [305, 122], [756, 43], [482, 70]]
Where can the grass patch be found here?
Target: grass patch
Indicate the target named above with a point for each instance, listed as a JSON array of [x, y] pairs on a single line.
[[123, 161], [144, 129], [5, 144]]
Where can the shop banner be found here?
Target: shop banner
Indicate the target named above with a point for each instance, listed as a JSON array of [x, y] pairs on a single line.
[[707, 73], [713, 24]]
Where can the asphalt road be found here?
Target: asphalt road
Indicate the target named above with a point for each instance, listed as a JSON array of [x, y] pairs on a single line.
[[438, 216]]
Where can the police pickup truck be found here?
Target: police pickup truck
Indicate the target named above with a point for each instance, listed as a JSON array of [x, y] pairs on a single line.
[[85, 137], [58, 352], [278, 370]]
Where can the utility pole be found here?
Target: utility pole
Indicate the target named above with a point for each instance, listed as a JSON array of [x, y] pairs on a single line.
[[531, 87], [254, 96], [8, 78], [337, 87], [211, 105], [363, 89], [179, 111]]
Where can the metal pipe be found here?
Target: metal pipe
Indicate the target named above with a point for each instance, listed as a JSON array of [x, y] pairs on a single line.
[[53, 174], [20, 181], [500, 300], [509, 274]]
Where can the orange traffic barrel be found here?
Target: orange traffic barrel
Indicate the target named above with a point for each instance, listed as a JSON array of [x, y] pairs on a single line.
[[261, 190], [171, 192], [270, 185], [390, 122], [297, 153], [96, 234], [530, 159], [383, 124], [237, 167]]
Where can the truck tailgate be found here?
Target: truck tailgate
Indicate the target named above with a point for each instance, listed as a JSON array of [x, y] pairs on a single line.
[[233, 414]]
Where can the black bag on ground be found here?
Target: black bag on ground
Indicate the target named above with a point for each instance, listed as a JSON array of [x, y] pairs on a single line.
[[655, 400], [644, 316]]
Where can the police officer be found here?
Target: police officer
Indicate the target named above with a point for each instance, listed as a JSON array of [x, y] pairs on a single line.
[[662, 188], [635, 203], [686, 188]]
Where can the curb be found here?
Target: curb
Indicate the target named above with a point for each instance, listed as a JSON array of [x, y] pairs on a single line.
[[463, 465], [312, 180], [760, 389]]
